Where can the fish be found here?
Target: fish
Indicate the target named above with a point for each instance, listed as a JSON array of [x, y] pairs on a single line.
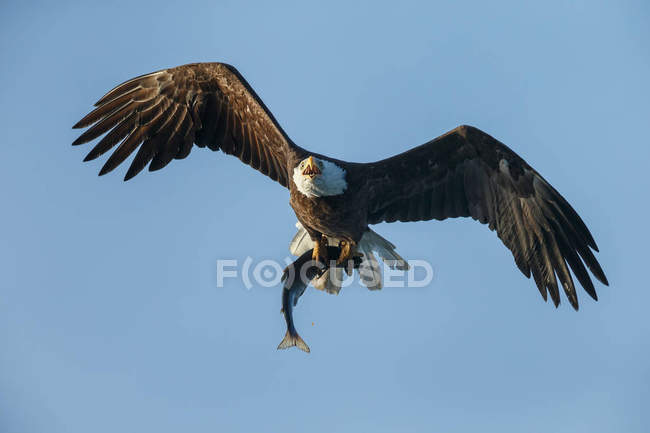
[[296, 277]]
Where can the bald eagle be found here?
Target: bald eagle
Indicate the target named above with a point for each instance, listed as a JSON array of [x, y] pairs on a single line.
[[463, 173]]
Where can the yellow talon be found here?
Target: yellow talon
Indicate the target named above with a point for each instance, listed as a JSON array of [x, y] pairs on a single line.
[[346, 252], [320, 250]]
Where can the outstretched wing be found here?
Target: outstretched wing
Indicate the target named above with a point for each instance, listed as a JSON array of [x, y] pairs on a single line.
[[467, 173], [164, 113]]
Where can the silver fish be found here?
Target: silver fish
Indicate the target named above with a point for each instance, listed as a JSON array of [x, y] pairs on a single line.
[[296, 278]]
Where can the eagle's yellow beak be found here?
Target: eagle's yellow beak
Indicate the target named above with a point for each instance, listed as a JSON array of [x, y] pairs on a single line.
[[311, 168]]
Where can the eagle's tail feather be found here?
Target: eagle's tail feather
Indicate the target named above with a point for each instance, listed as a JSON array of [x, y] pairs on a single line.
[[369, 270], [385, 249], [291, 340], [301, 242], [331, 281]]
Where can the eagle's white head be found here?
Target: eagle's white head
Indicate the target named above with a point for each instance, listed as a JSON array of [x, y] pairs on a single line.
[[318, 178]]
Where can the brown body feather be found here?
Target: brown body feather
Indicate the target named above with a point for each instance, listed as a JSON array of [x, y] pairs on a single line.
[[342, 216]]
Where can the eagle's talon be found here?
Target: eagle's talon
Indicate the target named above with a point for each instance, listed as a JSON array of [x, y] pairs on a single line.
[[356, 259], [319, 253], [346, 252]]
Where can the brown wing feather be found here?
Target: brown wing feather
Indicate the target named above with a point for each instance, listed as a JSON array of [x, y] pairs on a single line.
[[467, 173], [163, 113]]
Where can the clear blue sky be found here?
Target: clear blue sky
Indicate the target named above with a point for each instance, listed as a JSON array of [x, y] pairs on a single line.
[[110, 317]]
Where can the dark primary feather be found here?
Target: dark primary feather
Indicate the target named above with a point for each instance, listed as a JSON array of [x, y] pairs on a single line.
[[467, 173], [164, 113]]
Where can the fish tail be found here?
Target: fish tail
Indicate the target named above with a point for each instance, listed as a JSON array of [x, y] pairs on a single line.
[[291, 340]]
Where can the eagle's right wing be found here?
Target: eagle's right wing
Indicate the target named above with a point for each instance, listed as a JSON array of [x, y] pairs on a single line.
[[165, 112]]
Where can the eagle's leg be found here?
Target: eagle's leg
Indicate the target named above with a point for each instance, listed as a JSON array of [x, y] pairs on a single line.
[[347, 248], [320, 249]]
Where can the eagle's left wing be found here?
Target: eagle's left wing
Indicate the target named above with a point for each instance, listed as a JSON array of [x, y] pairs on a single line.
[[467, 173], [162, 114]]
